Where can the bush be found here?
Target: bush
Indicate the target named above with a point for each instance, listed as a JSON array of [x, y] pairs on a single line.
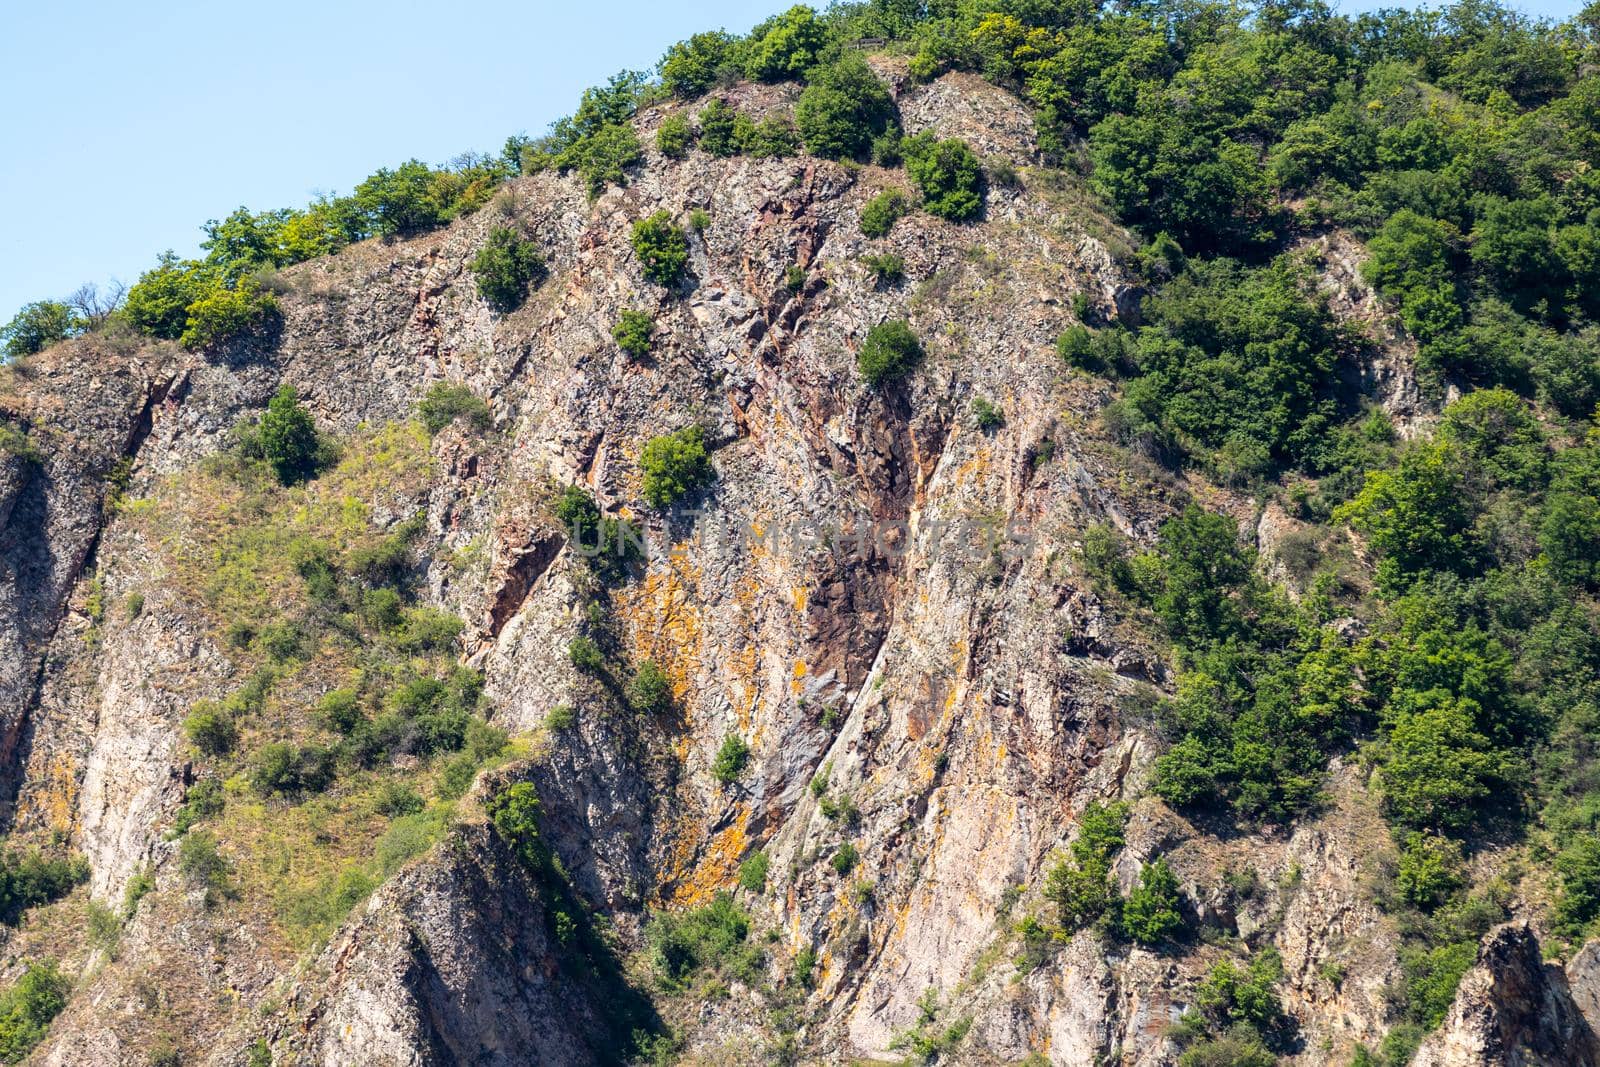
[[715, 936], [718, 125], [288, 437], [203, 800], [843, 110], [845, 859], [159, 303], [27, 1009], [879, 214], [785, 46], [753, 872], [771, 138], [674, 137], [649, 692], [691, 67], [947, 175], [731, 759], [886, 268], [632, 332], [662, 248], [561, 717], [210, 728], [586, 655], [28, 879], [223, 314], [38, 326], [890, 351], [1431, 870], [1230, 995], [1150, 914], [674, 465], [986, 416], [604, 156], [506, 267], [400, 202], [515, 813], [1080, 886], [445, 404], [203, 864]]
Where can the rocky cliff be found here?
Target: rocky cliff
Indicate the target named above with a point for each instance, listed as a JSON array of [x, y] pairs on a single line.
[[943, 701]]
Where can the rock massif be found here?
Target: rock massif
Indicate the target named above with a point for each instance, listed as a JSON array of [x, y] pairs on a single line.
[[966, 695]]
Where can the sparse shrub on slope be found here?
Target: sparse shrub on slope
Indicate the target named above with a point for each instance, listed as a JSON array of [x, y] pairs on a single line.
[[889, 352], [675, 465], [843, 110], [662, 248], [507, 266]]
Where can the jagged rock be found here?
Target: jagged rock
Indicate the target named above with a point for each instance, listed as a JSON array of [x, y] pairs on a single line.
[[1512, 1009]]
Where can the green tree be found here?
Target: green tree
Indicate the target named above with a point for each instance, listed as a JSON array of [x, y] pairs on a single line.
[[27, 1009], [731, 759], [399, 202], [890, 351], [785, 46], [221, 314], [649, 691], [675, 465], [632, 332], [506, 267], [691, 67], [159, 303], [947, 175], [289, 440], [38, 326], [662, 248], [718, 128], [843, 110], [1150, 915]]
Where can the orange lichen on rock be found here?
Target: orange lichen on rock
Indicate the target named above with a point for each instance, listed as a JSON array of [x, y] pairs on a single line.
[[715, 867]]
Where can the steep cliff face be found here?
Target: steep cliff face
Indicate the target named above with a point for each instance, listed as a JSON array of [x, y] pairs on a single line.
[[943, 701]]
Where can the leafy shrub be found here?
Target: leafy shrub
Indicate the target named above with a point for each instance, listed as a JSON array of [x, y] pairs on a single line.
[[506, 267], [675, 465], [561, 717], [38, 326], [674, 137], [1431, 870], [1080, 886], [288, 437], [203, 865], [986, 416], [400, 202], [632, 332], [223, 314], [890, 351], [843, 110], [586, 655], [886, 267], [662, 248], [27, 1009], [446, 403], [845, 858], [753, 872], [210, 728], [691, 67], [159, 303], [714, 937], [203, 800], [1150, 914], [718, 129], [947, 175], [731, 759], [604, 156], [281, 768], [515, 813], [1232, 995], [649, 691], [879, 214], [31, 878], [771, 138], [785, 46]]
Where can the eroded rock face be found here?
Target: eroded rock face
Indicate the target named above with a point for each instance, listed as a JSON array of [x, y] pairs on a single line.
[[1512, 1009], [966, 694]]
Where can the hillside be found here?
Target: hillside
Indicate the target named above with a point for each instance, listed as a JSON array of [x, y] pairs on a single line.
[[1034, 536]]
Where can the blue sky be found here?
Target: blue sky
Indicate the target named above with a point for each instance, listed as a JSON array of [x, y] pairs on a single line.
[[125, 126]]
